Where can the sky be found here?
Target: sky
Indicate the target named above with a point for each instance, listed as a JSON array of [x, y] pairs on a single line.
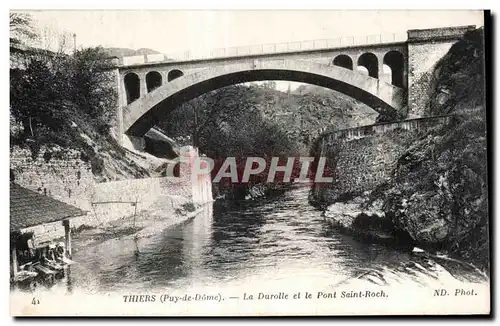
[[200, 31], [203, 30]]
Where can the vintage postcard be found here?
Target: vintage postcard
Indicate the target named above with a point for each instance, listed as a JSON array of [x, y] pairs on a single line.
[[248, 163]]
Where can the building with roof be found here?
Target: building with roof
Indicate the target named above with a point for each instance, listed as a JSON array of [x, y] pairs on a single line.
[[38, 218], [29, 208]]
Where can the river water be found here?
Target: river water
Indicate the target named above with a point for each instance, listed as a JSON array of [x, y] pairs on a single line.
[[275, 246], [273, 240]]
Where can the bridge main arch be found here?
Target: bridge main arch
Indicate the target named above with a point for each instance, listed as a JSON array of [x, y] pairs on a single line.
[[142, 114]]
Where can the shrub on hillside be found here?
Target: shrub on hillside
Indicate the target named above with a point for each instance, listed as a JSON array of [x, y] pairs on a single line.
[[47, 93]]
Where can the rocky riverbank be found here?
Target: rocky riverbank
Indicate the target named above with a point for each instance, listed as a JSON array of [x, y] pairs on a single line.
[[437, 195], [366, 223]]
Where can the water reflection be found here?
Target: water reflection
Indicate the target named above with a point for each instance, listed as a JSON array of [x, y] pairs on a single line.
[[197, 237], [282, 239]]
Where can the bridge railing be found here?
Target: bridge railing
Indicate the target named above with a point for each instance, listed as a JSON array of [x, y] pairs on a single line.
[[271, 48]]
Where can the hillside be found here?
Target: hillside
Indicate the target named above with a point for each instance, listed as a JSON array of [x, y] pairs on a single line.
[[126, 52], [259, 121], [301, 115], [439, 193], [311, 109], [108, 160], [60, 103]]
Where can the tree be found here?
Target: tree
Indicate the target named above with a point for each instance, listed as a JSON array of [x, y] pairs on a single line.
[[92, 84], [209, 114], [37, 93], [21, 29], [269, 84], [50, 87], [229, 123]]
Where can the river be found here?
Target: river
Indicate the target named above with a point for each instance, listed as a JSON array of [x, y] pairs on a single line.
[[269, 245], [273, 238]]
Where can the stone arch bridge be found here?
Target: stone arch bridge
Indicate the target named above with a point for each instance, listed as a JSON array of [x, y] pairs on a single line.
[[385, 75]]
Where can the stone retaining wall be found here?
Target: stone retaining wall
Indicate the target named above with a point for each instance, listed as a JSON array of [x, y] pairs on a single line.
[[359, 159], [63, 175]]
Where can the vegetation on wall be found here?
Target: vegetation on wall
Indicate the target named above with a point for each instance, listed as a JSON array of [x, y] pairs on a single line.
[[51, 88], [63, 99]]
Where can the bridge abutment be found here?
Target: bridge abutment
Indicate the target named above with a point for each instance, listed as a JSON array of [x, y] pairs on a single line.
[[425, 49]]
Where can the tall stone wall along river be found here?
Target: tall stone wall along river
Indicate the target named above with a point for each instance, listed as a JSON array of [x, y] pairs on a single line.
[[359, 159]]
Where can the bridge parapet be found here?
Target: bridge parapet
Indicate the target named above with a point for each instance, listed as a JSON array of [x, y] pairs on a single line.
[[381, 128], [269, 48], [438, 34]]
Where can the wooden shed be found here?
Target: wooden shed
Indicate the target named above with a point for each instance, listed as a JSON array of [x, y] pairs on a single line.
[[32, 218]]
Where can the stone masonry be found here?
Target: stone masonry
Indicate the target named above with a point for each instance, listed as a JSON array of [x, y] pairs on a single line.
[[425, 49], [54, 172], [359, 159], [418, 54], [63, 175]]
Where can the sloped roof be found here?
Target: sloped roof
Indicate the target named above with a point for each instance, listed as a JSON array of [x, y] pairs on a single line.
[[29, 208]]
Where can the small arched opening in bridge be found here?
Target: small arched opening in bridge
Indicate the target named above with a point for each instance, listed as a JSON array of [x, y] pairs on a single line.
[[370, 62], [153, 80], [132, 87], [174, 74], [343, 61], [395, 61]]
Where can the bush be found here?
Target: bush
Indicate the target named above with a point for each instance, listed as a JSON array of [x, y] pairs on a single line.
[[52, 88], [188, 207]]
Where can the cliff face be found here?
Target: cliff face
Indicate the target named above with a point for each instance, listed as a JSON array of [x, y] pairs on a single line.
[[438, 193], [459, 80]]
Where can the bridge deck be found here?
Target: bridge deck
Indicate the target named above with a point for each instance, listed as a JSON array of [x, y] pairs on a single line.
[[300, 47]]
